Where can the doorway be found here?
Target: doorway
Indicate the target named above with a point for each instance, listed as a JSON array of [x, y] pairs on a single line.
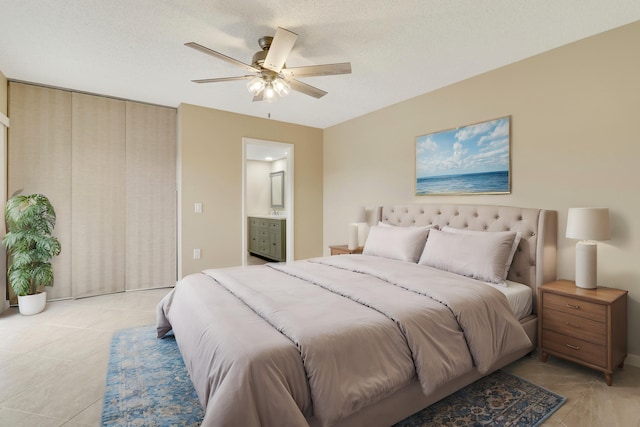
[[260, 159]]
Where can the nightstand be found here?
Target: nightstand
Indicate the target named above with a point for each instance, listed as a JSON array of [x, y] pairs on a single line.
[[344, 250], [586, 326]]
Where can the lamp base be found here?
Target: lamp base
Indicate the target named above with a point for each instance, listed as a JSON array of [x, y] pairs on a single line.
[[586, 264]]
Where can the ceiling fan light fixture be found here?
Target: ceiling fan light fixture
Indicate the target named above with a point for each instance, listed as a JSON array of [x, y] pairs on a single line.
[[256, 85], [281, 87], [269, 93]]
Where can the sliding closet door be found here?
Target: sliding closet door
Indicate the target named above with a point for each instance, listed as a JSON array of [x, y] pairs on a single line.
[[98, 188], [109, 168], [150, 196], [39, 161]]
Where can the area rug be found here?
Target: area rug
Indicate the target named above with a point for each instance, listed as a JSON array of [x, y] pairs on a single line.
[[500, 399], [148, 385]]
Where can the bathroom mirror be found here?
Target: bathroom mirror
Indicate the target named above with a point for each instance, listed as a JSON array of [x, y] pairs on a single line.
[[277, 189]]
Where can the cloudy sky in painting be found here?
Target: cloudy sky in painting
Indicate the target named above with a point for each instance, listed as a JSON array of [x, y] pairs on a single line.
[[471, 149]]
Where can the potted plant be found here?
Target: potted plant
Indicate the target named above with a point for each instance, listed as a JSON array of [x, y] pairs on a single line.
[[30, 220]]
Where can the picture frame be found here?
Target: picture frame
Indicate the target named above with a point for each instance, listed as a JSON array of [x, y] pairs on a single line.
[[277, 189], [472, 159]]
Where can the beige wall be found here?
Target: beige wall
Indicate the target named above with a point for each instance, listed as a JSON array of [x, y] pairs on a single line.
[[574, 143], [210, 168], [3, 94]]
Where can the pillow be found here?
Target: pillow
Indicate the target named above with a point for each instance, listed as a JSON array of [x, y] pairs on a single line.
[[480, 256], [401, 243], [386, 224], [514, 246]]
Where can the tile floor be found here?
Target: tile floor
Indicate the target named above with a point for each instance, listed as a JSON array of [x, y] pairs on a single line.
[[53, 367], [255, 260]]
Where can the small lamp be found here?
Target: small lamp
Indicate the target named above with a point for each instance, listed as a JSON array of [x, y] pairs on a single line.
[[587, 225]]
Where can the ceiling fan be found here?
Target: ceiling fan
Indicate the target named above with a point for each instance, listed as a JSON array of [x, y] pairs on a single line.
[[270, 76]]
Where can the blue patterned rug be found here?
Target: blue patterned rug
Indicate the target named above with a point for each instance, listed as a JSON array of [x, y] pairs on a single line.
[[500, 399], [148, 385]]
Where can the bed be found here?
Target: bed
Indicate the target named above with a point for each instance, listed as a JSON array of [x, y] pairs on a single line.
[[355, 340]]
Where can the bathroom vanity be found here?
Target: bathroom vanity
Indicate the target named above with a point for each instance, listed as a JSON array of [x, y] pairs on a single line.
[[267, 237]]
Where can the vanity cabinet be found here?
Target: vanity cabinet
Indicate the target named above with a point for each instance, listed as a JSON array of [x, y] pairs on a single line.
[[267, 238]]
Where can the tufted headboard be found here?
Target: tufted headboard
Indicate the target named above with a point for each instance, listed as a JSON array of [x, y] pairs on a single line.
[[534, 263]]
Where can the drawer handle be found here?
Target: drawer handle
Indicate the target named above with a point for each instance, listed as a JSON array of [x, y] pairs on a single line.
[[571, 324], [575, 307], [575, 347]]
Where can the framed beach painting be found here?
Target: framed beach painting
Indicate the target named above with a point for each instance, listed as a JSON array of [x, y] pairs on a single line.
[[473, 159]]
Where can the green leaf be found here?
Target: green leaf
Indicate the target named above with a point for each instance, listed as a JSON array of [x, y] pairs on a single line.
[[30, 221]]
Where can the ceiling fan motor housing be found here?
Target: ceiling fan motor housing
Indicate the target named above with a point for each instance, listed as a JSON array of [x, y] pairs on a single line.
[[259, 57], [265, 42]]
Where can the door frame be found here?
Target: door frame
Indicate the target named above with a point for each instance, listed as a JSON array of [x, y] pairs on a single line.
[[4, 126], [288, 188]]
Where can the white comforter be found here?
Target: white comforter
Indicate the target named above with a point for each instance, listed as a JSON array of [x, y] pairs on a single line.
[[275, 344]]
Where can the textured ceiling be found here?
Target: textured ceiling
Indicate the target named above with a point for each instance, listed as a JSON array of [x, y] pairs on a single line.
[[134, 49]]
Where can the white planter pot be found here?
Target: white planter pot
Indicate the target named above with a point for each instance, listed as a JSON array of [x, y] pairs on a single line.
[[32, 304]]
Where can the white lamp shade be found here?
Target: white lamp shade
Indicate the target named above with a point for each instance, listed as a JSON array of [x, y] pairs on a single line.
[[588, 224]]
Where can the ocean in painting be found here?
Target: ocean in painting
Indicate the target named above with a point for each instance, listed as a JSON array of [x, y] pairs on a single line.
[[485, 182]]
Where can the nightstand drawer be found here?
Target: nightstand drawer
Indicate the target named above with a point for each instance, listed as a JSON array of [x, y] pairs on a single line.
[[586, 326], [575, 348], [589, 310], [575, 326]]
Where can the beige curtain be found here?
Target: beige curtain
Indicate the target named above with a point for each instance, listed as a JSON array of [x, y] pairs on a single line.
[[98, 195], [39, 161], [151, 259], [108, 167]]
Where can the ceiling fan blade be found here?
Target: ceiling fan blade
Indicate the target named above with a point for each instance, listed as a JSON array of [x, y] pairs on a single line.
[[223, 79], [317, 70], [280, 49], [219, 55], [306, 89]]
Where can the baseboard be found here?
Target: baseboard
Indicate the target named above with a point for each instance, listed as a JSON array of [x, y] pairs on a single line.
[[633, 360]]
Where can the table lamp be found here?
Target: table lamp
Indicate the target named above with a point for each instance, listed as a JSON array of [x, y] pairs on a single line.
[[587, 225]]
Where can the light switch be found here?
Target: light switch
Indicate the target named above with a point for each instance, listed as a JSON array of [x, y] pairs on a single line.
[[196, 254], [198, 207]]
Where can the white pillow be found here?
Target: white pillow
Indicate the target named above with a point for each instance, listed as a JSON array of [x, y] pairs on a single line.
[[386, 224], [514, 245], [480, 256], [401, 243]]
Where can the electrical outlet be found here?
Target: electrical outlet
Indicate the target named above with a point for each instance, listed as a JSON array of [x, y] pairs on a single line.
[[198, 207], [196, 254]]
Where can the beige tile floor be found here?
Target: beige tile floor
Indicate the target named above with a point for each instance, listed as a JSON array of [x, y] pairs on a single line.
[[53, 367], [254, 260]]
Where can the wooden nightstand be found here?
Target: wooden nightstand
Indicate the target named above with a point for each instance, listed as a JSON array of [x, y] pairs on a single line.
[[586, 326], [344, 250]]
